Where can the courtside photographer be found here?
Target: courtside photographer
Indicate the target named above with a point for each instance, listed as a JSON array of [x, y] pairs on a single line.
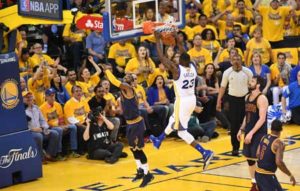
[[97, 134]]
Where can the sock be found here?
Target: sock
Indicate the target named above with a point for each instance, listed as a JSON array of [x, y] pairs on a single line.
[[168, 130], [253, 180], [200, 148], [138, 164], [145, 167]]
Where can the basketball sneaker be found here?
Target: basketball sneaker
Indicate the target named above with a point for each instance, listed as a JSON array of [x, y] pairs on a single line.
[[146, 179], [207, 156], [156, 141], [139, 175]]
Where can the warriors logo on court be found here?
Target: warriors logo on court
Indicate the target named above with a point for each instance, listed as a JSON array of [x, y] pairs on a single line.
[[9, 94]]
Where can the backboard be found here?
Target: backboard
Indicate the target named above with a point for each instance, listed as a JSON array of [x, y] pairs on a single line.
[[124, 18]]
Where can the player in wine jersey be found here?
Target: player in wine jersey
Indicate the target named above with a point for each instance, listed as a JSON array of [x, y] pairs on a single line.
[[184, 76], [254, 124], [270, 156], [135, 125]]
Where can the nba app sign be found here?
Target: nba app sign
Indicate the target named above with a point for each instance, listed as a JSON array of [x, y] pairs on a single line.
[[46, 9]]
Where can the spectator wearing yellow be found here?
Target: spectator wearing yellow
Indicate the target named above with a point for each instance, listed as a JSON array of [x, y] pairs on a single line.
[[88, 80], [76, 111], [118, 54], [209, 42], [212, 8], [74, 37], [203, 25], [24, 68], [258, 24], [39, 82], [53, 114], [241, 14], [224, 56], [72, 80], [192, 15], [259, 45], [274, 19], [142, 66], [280, 74]]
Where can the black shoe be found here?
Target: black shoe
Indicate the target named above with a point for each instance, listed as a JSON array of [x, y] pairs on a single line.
[[147, 178], [111, 160], [235, 153], [139, 175], [123, 155]]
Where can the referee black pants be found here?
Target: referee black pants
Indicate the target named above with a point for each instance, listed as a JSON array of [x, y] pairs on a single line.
[[236, 115]]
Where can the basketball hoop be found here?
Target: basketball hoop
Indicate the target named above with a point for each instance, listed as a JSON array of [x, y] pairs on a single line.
[[166, 30]]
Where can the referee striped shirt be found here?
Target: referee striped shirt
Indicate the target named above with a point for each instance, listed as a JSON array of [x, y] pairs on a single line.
[[237, 81]]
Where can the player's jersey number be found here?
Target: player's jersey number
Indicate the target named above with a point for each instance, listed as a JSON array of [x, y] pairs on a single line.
[[188, 84]]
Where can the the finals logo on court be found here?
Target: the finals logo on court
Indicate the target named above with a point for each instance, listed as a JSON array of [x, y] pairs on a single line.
[[9, 94]]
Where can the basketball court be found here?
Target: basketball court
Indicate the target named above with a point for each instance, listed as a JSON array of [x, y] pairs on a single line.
[[176, 166]]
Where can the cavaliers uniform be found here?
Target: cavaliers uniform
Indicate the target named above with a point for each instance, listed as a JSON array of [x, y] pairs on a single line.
[[185, 101], [135, 123], [252, 116], [266, 166]]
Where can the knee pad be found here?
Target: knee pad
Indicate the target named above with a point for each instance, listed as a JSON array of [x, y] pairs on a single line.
[[251, 162], [186, 136]]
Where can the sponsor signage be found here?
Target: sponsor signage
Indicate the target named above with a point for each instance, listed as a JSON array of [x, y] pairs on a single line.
[[46, 9]]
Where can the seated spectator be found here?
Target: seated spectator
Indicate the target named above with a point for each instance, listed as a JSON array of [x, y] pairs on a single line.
[[199, 55], [293, 94], [97, 134], [280, 74], [24, 67], [53, 114], [258, 24], [76, 110], [210, 42], [72, 80], [40, 129], [39, 82], [88, 80], [108, 108], [261, 70], [142, 66], [95, 44], [241, 14], [160, 96], [23, 84], [203, 24], [118, 54], [225, 56], [61, 94], [240, 38]]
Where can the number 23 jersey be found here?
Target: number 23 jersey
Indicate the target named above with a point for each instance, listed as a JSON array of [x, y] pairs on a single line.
[[184, 86]]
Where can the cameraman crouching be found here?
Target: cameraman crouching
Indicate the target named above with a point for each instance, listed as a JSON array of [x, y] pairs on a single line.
[[97, 134]]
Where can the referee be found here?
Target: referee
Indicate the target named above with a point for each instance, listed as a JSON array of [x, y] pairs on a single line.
[[236, 78]]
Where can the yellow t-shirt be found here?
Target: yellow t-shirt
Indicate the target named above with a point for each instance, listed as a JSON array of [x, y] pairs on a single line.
[[273, 22], [77, 109], [212, 46], [38, 88], [133, 65], [198, 29], [208, 9], [193, 20], [36, 60], [262, 48], [121, 53], [69, 86], [225, 55], [52, 113], [201, 58], [90, 85], [141, 94], [157, 72], [78, 35], [150, 38], [248, 17], [189, 32], [290, 53], [274, 73], [111, 97]]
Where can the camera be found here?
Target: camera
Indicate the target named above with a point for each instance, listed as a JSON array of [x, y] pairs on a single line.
[[94, 114]]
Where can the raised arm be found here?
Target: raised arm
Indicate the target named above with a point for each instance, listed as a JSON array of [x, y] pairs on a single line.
[[97, 68], [123, 86], [171, 66]]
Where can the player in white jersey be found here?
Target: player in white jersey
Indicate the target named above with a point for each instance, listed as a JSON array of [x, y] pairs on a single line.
[[184, 76]]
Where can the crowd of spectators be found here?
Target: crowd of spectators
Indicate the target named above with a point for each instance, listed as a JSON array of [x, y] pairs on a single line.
[[62, 80]]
